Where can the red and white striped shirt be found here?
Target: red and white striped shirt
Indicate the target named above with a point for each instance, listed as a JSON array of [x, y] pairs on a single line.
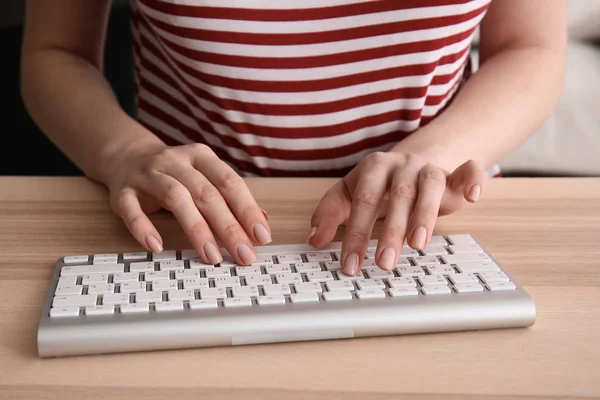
[[298, 87]]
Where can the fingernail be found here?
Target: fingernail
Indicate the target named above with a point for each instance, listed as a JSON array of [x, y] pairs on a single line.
[[475, 192], [212, 253], [387, 258], [265, 213], [313, 230], [245, 254], [351, 264], [419, 237], [153, 244], [262, 234]]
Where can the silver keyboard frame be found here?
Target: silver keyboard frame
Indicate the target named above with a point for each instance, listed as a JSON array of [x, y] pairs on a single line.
[[118, 333]]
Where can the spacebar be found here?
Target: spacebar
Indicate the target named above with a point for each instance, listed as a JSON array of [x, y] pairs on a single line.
[[294, 336]]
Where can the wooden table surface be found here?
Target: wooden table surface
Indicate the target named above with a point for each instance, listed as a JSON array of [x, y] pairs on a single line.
[[546, 232]]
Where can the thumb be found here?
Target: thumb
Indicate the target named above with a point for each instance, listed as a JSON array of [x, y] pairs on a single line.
[[465, 183], [332, 211]]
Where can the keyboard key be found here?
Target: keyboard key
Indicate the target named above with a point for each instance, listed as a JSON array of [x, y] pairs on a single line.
[[319, 276], [369, 284], [468, 287], [494, 276], [135, 308], [164, 285], [426, 260], [66, 281], [432, 280], [403, 291], [467, 267], [370, 294], [203, 304], [238, 302], [408, 252], [342, 276], [435, 251], [83, 259], [227, 281], [213, 293], [461, 239], [403, 262], [278, 269], [370, 253], [157, 276], [343, 286], [339, 295], [146, 266], [319, 256], [199, 264], [101, 288], [190, 255], [288, 278], [270, 300], [91, 269], [227, 261], [440, 269], [333, 266], [214, 272], [115, 298], [126, 277], [306, 297], [169, 306], [307, 267], [466, 257], [289, 258], [105, 258], [402, 282], [410, 271], [195, 283], [465, 248], [258, 279], [369, 263], [441, 289], [438, 241], [378, 273], [68, 290], [174, 295], [314, 287], [132, 287], [83, 300], [99, 310], [94, 278], [263, 259], [171, 265], [272, 289], [187, 273], [244, 291], [245, 271], [500, 286], [135, 256], [165, 255], [59, 312], [148, 297], [463, 278]]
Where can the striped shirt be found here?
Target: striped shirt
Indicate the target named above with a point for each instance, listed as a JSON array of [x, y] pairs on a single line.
[[298, 87]]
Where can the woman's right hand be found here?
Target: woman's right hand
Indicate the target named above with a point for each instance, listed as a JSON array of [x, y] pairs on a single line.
[[199, 189]]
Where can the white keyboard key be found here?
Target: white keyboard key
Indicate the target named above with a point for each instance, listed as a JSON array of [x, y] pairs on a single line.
[[83, 300], [199, 264], [307, 267], [410, 271], [339, 295], [426, 260], [101, 288], [133, 287], [258, 279], [244, 291], [187, 273], [66, 281], [214, 272], [203, 304], [289, 258], [461, 239], [333, 266], [319, 276], [270, 300], [227, 281], [91, 269], [263, 259], [368, 284], [227, 261], [99, 310], [278, 269], [370, 294], [164, 285], [64, 312], [68, 290], [441, 269], [189, 255], [157, 276], [403, 291], [468, 287], [165, 255], [174, 295], [339, 286], [402, 282], [115, 298], [376, 272], [463, 278], [403, 262], [171, 265], [408, 252], [272, 289], [105, 258], [432, 280], [338, 254], [342, 276], [500, 286], [306, 297], [466, 267], [237, 302], [145, 266], [370, 253], [76, 259], [213, 293], [135, 308], [435, 250], [135, 256], [314, 287], [148, 297], [195, 283], [494, 276], [465, 248], [169, 306], [288, 278], [94, 278], [428, 290], [466, 257], [369, 263], [126, 277], [438, 241], [319, 256], [245, 271]]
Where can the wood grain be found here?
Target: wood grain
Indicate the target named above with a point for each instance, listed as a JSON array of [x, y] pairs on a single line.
[[546, 232]]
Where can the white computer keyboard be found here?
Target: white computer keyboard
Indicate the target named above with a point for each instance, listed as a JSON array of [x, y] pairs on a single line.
[[106, 303]]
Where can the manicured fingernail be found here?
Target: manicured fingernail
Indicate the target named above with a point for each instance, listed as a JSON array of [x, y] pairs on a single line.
[[419, 237], [387, 258], [262, 234], [351, 264], [245, 254], [475, 193], [212, 253], [313, 230], [265, 213], [153, 244]]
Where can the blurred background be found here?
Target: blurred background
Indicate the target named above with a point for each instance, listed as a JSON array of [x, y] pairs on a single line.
[[568, 144]]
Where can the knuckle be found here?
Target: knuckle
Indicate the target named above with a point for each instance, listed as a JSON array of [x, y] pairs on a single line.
[[206, 194], [403, 192], [367, 200], [376, 158], [430, 173], [199, 148], [198, 229], [135, 223], [174, 194], [230, 180], [233, 231], [358, 236], [394, 235]]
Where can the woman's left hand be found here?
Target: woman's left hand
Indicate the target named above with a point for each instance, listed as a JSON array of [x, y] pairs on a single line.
[[405, 189]]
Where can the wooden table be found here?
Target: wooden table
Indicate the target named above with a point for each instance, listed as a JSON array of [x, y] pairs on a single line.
[[546, 232]]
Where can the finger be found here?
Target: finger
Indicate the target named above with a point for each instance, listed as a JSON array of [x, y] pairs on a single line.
[[177, 198], [366, 202], [332, 211], [127, 206], [211, 204], [432, 185], [467, 182], [402, 195], [238, 197]]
